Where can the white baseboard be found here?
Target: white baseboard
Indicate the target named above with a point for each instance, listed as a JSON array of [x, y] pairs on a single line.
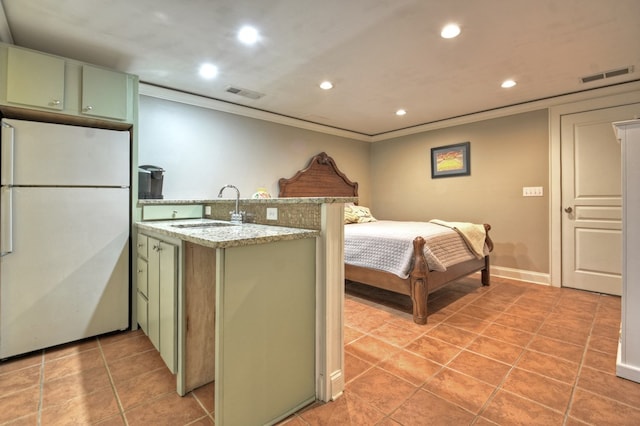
[[337, 385], [521, 275], [626, 371]]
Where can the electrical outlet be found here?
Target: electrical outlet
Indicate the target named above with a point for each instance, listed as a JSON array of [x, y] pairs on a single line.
[[272, 213], [207, 210], [532, 191]]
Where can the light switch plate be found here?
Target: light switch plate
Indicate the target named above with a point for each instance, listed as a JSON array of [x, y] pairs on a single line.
[[532, 191], [272, 213]]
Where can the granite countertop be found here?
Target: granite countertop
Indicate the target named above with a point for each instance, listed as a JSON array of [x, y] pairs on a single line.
[[224, 236], [293, 200]]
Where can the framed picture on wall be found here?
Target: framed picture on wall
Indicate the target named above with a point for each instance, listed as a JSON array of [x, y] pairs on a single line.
[[451, 160]]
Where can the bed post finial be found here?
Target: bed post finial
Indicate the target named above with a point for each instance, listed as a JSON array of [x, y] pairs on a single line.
[[323, 158]]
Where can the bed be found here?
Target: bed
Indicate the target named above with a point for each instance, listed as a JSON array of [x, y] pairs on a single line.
[[322, 178]]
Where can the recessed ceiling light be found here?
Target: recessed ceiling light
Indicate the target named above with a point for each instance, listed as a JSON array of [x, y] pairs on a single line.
[[507, 84], [208, 71], [401, 112], [326, 85], [450, 31], [248, 35]]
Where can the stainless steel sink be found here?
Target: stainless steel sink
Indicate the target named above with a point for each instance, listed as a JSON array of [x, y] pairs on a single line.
[[203, 225]]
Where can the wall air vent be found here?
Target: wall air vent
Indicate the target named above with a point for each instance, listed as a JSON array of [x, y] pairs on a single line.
[[594, 77], [607, 74], [244, 92]]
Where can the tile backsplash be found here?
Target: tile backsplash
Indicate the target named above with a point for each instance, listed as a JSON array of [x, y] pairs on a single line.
[[304, 215]]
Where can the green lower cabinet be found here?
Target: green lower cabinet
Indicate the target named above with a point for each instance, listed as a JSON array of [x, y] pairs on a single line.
[[265, 331], [157, 302]]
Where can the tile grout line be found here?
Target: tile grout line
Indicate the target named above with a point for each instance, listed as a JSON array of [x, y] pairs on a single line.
[[580, 366], [443, 366], [499, 386], [112, 383], [378, 362], [41, 395], [207, 414], [547, 319], [513, 365]]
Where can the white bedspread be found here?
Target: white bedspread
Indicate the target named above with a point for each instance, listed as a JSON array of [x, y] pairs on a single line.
[[388, 246]]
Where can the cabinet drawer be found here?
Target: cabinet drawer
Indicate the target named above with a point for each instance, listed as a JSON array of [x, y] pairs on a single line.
[[143, 281], [143, 242], [142, 306], [159, 212]]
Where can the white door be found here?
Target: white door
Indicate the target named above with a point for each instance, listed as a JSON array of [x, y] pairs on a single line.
[[591, 200]]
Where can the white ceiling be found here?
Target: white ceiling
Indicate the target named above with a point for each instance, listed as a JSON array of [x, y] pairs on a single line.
[[381, 54]]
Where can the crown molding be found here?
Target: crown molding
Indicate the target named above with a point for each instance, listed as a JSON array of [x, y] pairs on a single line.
[[204, 102]]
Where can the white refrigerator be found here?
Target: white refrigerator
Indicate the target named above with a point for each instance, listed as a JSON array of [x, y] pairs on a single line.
[[64, 234]]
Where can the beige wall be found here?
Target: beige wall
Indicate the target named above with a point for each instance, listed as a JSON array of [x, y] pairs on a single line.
[[506, 154], [202, 150]]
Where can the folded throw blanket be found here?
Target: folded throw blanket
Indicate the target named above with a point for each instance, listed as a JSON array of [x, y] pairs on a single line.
[[473, 234]]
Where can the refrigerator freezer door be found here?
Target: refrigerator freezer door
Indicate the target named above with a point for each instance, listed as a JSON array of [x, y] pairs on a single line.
[[67, 277], [61, 155]]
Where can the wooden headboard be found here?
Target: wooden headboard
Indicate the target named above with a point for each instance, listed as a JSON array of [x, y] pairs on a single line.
[[321, 178]]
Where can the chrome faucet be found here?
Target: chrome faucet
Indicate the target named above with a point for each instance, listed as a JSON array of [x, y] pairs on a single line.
[[236, 216]]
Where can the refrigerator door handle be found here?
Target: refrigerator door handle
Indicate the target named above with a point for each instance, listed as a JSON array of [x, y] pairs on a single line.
[[6, 220], [6, 154]]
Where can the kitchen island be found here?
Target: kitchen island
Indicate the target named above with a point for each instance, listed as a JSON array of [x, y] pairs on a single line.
[[234, 304]]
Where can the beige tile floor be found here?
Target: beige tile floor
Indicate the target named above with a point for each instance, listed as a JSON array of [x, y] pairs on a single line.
[[512, 353], [110, 380]]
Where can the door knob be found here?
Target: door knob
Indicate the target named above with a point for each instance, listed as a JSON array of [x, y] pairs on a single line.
[[568, 210]]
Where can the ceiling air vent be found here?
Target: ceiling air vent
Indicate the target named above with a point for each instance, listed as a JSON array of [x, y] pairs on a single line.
[[607, 74], [244, 92]]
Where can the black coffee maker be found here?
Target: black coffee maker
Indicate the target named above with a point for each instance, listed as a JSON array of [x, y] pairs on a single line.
[[150, 182]]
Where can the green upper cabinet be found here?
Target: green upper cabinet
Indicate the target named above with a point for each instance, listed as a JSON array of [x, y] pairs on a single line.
[[42, 82], [35, 79], [104, 93]]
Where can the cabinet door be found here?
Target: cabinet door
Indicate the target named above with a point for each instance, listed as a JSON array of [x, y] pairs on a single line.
[[142, 307], [142, 245], [143, 277], [104, 93], [153, 292], [265, 330], [168, 304], [162, 299], [35, 79]]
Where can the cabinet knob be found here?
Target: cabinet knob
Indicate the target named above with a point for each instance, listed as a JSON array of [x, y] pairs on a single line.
[[88, 108], [140, 271], [55, 102], [568, 210]]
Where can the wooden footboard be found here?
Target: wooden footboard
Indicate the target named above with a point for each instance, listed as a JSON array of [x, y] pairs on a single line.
[[421, 282]]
